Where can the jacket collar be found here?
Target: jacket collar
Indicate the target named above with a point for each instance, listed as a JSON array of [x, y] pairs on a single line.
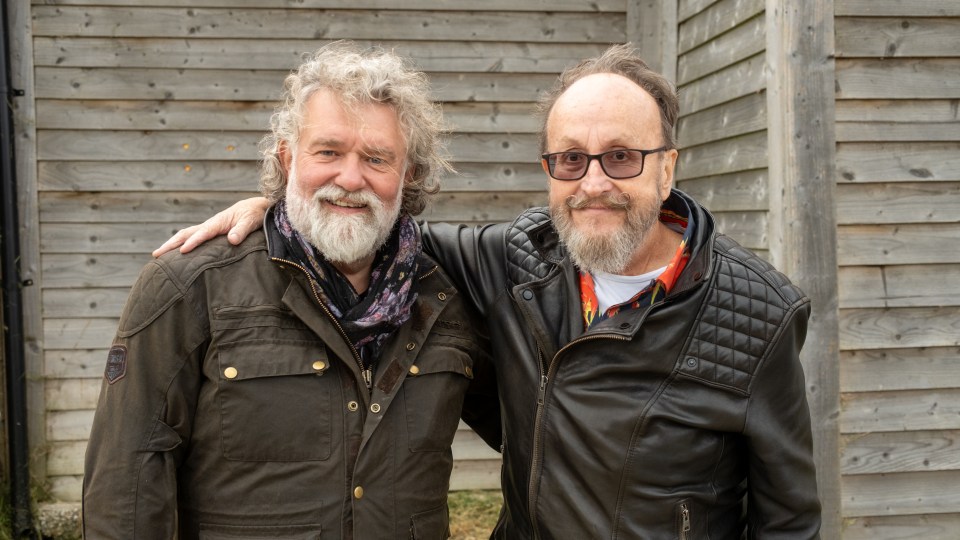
[[535, 246]]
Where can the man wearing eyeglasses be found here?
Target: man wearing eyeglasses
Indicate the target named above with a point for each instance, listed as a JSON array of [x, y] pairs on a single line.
[[647, 365]]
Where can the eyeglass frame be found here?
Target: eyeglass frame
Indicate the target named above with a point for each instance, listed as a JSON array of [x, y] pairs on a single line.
[[545, 159]]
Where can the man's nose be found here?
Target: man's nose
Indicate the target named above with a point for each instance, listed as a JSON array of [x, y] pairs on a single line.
[[596, 180], [350, 177]]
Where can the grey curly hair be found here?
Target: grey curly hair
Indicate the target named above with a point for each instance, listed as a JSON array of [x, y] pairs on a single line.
[[359, 76], [621, 60]]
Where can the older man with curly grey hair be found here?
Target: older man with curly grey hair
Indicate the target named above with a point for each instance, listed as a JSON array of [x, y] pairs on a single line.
[[308, 382]]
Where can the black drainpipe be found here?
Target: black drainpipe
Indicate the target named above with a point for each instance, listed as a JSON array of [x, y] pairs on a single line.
[[19, 456]]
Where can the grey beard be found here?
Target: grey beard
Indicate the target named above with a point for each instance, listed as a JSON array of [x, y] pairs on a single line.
[[608, 253], [342, 239]]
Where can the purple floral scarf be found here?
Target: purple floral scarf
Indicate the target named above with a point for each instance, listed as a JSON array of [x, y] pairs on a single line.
[[368, 318]]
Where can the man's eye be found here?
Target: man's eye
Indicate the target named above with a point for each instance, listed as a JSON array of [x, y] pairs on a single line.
[[376, 161], [571, 157]]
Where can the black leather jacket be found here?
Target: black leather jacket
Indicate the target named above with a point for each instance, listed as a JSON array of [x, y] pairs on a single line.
[[687, 419]]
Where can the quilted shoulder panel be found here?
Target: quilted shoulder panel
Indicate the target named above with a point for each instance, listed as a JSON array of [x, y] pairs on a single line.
[[524, 261], [746, 306]]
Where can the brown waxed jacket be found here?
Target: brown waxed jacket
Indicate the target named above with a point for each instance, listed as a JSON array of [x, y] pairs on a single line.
[[234, 408]]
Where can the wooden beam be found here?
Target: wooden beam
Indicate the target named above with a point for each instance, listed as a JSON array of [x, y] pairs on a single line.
[[800, 109], [25, 135], [652, 27]]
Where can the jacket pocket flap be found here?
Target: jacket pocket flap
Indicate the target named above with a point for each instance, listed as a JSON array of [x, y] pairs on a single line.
[[443, 360], [274, 358], [163, 439]]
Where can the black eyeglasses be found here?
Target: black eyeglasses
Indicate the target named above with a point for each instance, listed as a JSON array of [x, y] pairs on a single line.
[[617, 164]]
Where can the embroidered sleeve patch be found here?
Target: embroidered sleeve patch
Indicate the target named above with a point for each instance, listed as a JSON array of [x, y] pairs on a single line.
[[116, 364]]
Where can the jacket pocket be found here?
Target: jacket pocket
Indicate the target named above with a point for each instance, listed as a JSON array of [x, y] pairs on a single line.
[[275, 405], [433, 394], [213, 531], [430, 525]]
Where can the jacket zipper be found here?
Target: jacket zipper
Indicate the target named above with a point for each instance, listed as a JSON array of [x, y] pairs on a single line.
[[684, 521], [533, 494], [366, 373]]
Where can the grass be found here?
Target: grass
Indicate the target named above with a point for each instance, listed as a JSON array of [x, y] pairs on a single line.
[[473, 514]]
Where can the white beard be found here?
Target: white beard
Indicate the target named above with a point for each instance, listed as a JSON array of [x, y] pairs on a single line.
[[603, 252], [341, 239]]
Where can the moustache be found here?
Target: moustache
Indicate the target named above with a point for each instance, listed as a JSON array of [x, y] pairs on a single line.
[[332, 193], [620, 201]]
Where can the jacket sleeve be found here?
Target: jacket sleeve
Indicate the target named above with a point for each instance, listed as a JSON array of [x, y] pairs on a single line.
[[782, 485], [481, 405], [144, 415], [473, 257]]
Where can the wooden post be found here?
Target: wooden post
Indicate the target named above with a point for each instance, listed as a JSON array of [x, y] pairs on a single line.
[[25, 135], [652, 28], [802, 155]]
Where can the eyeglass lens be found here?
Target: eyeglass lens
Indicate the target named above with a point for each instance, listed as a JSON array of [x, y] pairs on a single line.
[[616, 164]]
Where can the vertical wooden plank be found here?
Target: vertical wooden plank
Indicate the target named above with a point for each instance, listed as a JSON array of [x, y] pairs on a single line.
[[802, 150], [25, 136], [652, 28]]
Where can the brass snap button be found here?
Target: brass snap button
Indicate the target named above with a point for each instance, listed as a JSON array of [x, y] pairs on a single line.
[[442, 296], [411, 346], [352, 406], [230, 372], [414, 370], [375, 408], [358, 492], [319, 365]]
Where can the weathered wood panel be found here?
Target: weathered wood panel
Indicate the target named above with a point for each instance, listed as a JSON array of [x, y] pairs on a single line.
[[193, 207], [927, 202], [900, 451], [897, 37], [72, 394], [748, 228], [249, 116], [286, 54], [926, 527], [898, 131], [79, 145], [744, 190], [120, 21], [83, 270], [903, 410], [738, 80], [256, 85], [905, 285], [883, 494], [76, 363], [897, 244], [242, 176], [447, 5], [78, 333], [69, 425], [714, 20], [898, 162], [82, 303], [900, 327], [900, 369], [897, 8], [738, 44], [898, 78], [689, 8], [898, 110], [741, 153], [739, 117]]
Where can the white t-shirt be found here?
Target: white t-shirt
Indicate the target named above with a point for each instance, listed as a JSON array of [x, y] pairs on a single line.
[[613, 289]]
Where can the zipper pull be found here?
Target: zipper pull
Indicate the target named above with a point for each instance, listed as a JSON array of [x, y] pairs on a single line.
[[543, 389], [684, 521], [368, 378]]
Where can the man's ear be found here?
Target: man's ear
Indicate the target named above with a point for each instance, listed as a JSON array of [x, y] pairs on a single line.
[[286, 157], [669, 166]]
